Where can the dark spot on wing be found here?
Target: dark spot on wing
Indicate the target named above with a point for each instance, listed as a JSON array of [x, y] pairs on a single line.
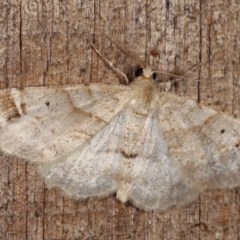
[[13, 113], [24, 108], [38, 118], [90, 115], [89, 91], [237, 145], [128, 155], [47, 103], [222, 131]]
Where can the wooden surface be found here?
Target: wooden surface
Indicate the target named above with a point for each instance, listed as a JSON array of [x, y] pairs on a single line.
[[47, 43]]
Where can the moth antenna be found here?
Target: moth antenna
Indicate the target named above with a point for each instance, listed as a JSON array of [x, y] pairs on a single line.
[[128, 53], [179, 77], [170, 74], [110, 64], [172, 80], [195, 66]]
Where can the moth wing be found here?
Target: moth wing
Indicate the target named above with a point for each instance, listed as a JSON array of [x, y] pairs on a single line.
[[44, 124], [152, 179], [205, 142], [94, 169], [187, 149]]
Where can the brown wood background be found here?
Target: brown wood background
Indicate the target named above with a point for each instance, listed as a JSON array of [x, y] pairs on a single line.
[[46, 43]]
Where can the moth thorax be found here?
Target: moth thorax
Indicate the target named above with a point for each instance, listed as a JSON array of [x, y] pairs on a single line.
[[143, 93], [147, 73]]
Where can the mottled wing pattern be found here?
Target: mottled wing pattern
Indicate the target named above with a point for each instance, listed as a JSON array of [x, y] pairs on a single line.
[[103, 165], [207, 143], [43, 125], [92, 169], [196, 148]]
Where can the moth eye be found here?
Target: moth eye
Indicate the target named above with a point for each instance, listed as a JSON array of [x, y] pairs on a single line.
[[154, 76], [139, 72]]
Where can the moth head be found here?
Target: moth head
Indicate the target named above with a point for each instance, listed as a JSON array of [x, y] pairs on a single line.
[[145, 73]]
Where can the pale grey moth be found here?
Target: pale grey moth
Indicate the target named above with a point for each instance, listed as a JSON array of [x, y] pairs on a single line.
[[155, 149]]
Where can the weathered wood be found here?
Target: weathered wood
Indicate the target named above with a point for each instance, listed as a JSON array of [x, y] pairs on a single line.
[[46, 43]]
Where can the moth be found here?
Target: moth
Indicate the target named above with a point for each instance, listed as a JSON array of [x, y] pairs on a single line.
[[152, 148]]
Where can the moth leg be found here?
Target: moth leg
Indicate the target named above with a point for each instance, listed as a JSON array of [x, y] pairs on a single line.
[[110, 64]]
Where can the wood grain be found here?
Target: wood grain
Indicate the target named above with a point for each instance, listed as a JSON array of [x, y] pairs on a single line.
[[46, 43]]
